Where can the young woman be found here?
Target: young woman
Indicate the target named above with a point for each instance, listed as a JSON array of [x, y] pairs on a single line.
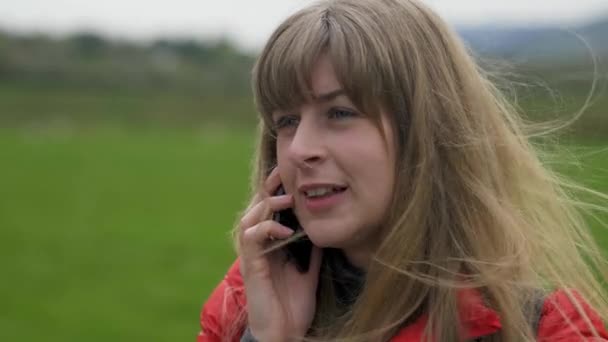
[[430, 215]]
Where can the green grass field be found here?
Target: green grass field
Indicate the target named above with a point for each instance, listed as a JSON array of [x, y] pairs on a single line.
[[118, 235], [114, 235]]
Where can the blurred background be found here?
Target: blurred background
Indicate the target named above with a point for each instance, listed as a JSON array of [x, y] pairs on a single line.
[[127, 128]]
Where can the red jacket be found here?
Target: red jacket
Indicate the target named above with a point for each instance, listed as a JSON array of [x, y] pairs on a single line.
[[228, 299]]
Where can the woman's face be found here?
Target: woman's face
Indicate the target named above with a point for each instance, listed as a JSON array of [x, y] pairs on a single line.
[[338, 166]]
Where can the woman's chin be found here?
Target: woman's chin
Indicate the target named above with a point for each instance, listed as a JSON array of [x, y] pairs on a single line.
[[323, 240]]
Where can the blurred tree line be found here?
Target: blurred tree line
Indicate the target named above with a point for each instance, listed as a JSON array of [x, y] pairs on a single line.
[[87, 79], [89, 60]]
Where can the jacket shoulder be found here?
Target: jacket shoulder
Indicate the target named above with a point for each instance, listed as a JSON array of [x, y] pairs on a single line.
[[561, 321], [223, 315]]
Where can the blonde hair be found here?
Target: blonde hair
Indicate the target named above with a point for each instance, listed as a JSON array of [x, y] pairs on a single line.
[[473, 205]]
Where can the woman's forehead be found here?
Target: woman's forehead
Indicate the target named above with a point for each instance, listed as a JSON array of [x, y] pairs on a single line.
[[288, 82], [323, 78]]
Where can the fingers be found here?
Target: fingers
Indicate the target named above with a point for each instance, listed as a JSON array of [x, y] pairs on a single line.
[[316, 258], [254, 239], [262, 209], [269, 188], [272, 182]]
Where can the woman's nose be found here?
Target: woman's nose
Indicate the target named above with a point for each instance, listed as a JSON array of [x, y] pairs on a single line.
[[307, 145]]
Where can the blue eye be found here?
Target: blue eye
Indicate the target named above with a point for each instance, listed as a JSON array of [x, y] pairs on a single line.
[[340, 113], [286, 121]]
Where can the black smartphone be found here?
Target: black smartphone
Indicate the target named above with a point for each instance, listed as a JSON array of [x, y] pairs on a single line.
[[299, 250]]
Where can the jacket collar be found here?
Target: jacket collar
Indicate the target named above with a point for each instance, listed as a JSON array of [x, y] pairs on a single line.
[[476, 319]]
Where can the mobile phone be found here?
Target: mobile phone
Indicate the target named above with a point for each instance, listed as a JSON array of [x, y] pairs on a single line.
[[299, 250]]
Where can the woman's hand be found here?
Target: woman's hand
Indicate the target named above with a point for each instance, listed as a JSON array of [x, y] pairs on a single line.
[[280, 300]]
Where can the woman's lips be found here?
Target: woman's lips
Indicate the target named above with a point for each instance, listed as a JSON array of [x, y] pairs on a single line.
[[323, 203]]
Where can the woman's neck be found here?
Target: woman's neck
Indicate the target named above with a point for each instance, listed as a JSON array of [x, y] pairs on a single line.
[[358, 257]]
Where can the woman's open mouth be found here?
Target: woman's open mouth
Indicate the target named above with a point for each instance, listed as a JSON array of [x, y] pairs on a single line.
[[323, 198]]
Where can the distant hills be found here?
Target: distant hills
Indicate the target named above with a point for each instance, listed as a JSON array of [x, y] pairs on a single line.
[[86, 77], [87, 59], [537, 45]]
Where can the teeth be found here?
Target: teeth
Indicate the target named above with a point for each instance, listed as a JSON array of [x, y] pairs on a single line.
[[320, 192]]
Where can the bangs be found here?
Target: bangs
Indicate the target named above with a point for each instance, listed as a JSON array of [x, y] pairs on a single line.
[[282, 75]]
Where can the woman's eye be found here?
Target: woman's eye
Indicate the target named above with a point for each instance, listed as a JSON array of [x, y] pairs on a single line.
[[286, 121], [340, 113]]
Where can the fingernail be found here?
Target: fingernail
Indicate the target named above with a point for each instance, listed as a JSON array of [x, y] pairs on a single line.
[[287, 231]]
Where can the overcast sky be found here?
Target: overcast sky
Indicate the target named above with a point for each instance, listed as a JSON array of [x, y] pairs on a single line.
[[249, 22]]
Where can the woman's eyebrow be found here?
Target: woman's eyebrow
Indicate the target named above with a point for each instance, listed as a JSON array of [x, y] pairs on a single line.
[[325, 97]]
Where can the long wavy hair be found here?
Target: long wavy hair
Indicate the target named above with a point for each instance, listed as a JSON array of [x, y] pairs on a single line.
[[473, 206]]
